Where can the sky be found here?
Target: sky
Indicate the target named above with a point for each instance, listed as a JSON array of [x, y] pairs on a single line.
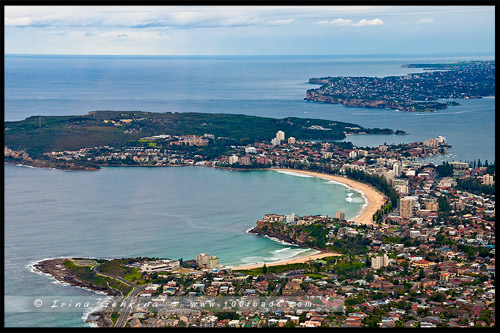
[[249, 30]]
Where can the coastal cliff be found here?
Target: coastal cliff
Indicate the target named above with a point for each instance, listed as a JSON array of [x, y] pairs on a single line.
[[312, 235], [58, 270]]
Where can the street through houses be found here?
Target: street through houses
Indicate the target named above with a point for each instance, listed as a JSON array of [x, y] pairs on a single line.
[[132, 297]]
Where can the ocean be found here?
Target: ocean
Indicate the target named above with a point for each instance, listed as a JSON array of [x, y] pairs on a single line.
[[270, 86], [175, 212], [180, 212]]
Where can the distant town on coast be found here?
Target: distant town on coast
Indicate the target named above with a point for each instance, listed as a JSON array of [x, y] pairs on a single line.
[[278, 167]]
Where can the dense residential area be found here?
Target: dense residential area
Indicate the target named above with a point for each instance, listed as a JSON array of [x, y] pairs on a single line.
[[207, 150], [36, 136], [428, 260], [414, 92]]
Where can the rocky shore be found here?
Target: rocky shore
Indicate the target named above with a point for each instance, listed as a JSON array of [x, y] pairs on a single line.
[[56, 269], [21, 157], [316, 96], [100, 318], [284, 236]]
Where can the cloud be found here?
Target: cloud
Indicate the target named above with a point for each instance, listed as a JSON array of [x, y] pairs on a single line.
[[340, 21], [425, 21], [350, 23], [281, 22], [189, 17], [177, 17], [364, 22], [121, 35], [238, 21], [90, 34], [17, 21]]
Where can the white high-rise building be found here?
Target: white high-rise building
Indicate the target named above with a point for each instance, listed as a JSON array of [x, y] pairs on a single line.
[[275, 142], [233, 159], [280, 135], [396, 167], [414, 233], [389, 176], [204, 260], [250, 150], [380, 261], [403, 189], [488, 180], [291, 140], [406, 207], [441, 139]]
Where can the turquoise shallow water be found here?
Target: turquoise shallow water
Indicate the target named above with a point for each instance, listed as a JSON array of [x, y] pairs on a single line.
[[183, 211], [164, 212]]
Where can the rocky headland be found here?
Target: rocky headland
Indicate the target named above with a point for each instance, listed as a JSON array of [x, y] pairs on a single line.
[[57, 269]]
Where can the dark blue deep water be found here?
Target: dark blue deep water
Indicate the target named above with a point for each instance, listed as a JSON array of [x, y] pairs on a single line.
[[180, 212]]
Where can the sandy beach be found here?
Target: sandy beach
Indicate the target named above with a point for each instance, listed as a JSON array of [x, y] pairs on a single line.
[[375, 199], [297, 260]]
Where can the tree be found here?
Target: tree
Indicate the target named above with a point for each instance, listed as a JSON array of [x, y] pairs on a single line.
[[264, 269], [231, 315], [405, 265], [421, 274], [445, 170], [371, 321], [443, 204]]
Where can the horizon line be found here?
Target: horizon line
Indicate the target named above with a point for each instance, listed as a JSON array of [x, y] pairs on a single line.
[[492, 54]]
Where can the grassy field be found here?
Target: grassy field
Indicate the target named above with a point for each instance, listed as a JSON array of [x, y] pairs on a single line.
[[86, 273], [316, 275], [135, 275], [117, 267], [114, 317]]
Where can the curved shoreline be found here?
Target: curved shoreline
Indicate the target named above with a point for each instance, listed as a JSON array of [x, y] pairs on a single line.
[[375, 200], [297, 260]]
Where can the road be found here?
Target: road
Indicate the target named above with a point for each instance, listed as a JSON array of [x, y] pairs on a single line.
[[122, 320]]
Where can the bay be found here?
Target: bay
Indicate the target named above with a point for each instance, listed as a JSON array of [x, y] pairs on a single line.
[[180, 212], [157, 212]]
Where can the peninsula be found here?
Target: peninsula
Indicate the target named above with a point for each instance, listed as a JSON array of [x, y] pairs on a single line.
[[90, 141], [415, 92]]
